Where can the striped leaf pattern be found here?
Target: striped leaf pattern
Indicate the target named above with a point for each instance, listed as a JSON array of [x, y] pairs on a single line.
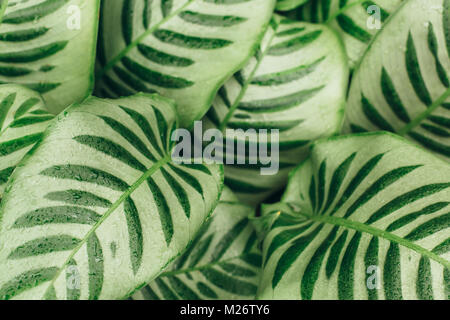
[[296, 83], [98, 208], [222, 263], [407, 91], [360, 220], [182, 49], [285, 5], [354, 20], [23, 118], [49, 46], [3, 4]]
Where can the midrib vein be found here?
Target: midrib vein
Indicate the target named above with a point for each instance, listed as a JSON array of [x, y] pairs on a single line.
[[199, 268], [246, 83], [361, 227], [138, 40], [155, 167], [424, 115]]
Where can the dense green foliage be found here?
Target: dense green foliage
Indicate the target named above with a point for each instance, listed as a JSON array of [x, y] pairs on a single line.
[[97, 204]]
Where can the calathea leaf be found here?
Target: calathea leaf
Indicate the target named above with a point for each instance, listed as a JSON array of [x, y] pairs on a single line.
[[98, 208], [23, 118], [402, 84], [365, 217], [49, 46], [284, 5], [296, 84], [357, 21], [223, 262], [183, 49], [3, 4]]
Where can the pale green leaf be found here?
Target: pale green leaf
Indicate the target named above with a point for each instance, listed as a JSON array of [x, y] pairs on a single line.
[[223, 262], [182, 49], [98, 208], [297, 84], [285, 5], [402, 83], [365, 217], [49, 46], [23, 118], [356, 21]]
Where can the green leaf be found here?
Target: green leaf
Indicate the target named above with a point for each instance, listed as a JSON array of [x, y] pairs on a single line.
[[285, 5], [407, 91], [354, 20], [365, 217], [223, 261], [49, 46], [98, 207], [23, 118], [3, 4], [296, 84], [182, 49]]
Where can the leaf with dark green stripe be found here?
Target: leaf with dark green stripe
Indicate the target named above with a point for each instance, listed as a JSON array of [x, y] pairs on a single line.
[[44, 246], [23, 35], [293, 45], [392, 274], [134, 233], [286, 76], [179, 192], [414, 72], [20, 126], [392, 97], [372, 269], [215, 266], [185, 50], [276, 91], [73, 281], [210, 20], [96, 266], [381, 234], [424, 282], [348, 26], [405, 91], [347, 269], [291, 254], [163, 210], [355, 21], [111, 149], [312, 270], [163, 58], [26, 281], [285, 5], [57, 215], [86, 174], [33, 33], [154, 77], [33, 12], [105, 212], [78, 197]]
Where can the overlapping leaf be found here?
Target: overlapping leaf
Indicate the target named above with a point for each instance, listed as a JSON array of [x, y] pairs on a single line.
[[284, 5], [366, 217], [402, 84], [3, 4], [98, 207], [49, 46], [23, 118], [183, 49], [223, 262], [357, 21], [296, 83]]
